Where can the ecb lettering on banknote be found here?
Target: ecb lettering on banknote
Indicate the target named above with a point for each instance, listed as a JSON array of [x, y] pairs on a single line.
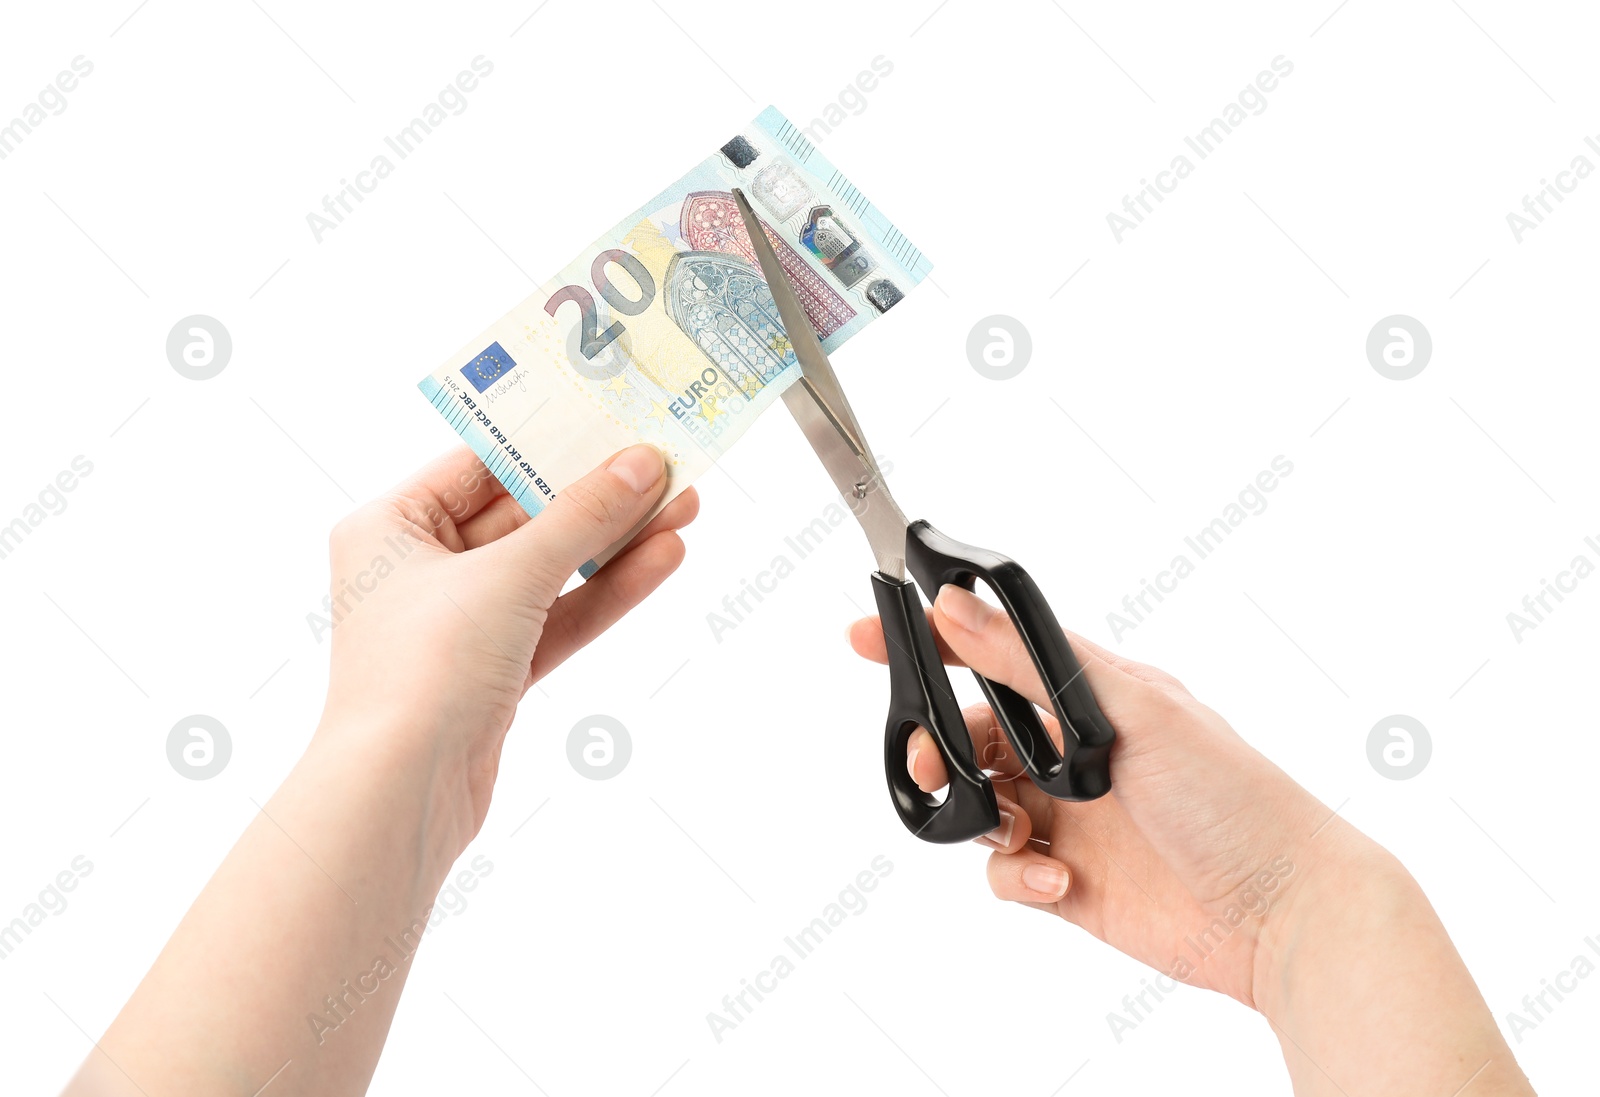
[[663, 329]]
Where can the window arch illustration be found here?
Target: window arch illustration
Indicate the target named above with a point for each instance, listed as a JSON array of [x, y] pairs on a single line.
[[726, 310]]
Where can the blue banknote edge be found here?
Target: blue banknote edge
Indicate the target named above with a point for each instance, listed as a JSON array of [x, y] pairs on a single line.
[[905, 254], [490, 453]]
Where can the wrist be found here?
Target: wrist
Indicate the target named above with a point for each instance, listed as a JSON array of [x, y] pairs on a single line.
[[1358, 956], [410, 773], [1348, 887]]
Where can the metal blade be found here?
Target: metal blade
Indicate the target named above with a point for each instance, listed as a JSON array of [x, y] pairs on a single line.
[[820, 380], [818, 404], [860, 483]]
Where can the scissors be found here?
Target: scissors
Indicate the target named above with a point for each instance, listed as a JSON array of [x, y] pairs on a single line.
[[919, 687]]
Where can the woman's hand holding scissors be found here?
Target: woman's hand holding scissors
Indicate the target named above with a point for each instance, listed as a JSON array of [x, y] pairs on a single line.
[[1210, 864]]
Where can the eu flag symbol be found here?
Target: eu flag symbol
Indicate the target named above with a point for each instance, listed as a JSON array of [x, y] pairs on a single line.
[[488, 367]]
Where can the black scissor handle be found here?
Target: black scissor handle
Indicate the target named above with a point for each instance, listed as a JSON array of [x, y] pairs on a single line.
[[1081, 771], [920, 695]]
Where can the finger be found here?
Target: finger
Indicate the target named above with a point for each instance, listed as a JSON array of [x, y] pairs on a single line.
[[583, 613], [1028, 876], [505, 514], [585, 518], [987, 640], [927, 768], [1014, 830], [675, 515], [494, 521], [1143, 671], [989, 746], [924, 762], [455, 484], [866, 637]]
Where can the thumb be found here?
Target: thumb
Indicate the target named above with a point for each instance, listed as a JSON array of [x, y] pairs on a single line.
[[584, 519]]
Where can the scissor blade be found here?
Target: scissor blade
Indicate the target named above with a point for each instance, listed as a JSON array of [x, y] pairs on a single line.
[[858, 481], [819, 379], [818, 404]]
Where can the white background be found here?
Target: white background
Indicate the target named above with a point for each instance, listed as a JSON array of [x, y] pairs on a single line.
[[1224, 331]]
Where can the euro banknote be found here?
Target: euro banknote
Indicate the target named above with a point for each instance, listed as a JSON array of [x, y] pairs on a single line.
[[663, 330]]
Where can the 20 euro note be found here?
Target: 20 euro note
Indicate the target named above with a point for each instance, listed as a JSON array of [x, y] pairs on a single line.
[[663, 329]]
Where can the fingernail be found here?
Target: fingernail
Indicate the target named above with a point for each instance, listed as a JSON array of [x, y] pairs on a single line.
[[911, 762], [1000, 836], [637, 466], [1046, 879], [965, 608]]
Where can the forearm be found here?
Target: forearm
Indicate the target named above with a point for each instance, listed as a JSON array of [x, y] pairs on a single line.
[[1367, 994], [297, 949]]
